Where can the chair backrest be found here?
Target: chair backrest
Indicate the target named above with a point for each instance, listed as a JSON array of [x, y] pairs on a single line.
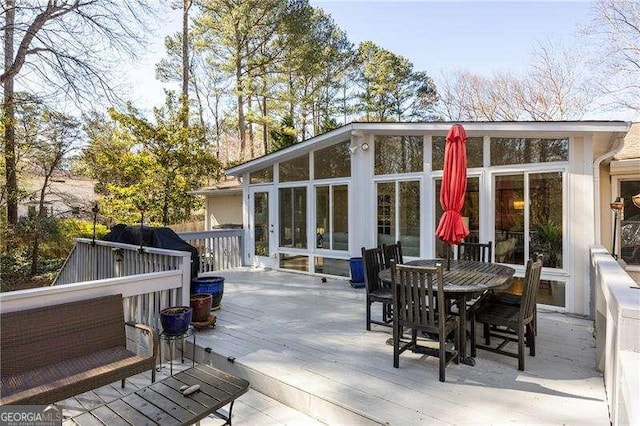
[[37, 337], [392, 252], [530, 291], [480, 252], [373, 264], [416, 292]]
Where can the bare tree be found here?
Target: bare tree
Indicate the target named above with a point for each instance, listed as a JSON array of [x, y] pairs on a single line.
[[616, 28], [555, 87], [64, 48]]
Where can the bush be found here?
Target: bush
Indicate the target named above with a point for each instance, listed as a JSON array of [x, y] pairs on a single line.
[[56, 241]]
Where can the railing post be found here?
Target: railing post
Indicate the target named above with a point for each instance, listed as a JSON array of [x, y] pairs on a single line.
[[186, 279]]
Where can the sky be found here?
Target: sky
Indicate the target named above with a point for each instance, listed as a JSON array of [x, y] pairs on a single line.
[[436, 36]]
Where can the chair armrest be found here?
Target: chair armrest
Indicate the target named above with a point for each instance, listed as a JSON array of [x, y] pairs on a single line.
[[147, 330]]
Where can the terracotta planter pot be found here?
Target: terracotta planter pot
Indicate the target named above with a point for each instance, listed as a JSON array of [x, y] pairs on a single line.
[[210, 285], [201, 305]]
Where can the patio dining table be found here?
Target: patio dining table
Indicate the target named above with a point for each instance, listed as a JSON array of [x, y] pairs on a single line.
[[465, 279]]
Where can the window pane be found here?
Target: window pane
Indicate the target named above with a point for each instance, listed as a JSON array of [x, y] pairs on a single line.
[[322, 217], [398, 154], [509, 220], [339, 267], [295, 170], [262, 176], [410, 218], [295, 262], [474, 152], [386, 213], [630, 225], [333, 161], [286, 217], [470, 210], [527, 150], [545, 217], [340, 217], [293, 217], [549, 293], [261, 223]]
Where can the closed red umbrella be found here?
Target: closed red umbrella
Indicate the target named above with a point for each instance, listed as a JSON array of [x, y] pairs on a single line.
[[451, 228]]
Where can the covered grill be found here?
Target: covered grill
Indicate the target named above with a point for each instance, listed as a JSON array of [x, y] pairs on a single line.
[[150, 236]]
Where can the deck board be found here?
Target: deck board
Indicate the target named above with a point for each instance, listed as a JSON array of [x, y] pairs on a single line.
[[311, 335]]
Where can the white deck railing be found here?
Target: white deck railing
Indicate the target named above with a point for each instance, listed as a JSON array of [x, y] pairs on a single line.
[[145, 295], [105, 259], [218, 249], [617, 336]]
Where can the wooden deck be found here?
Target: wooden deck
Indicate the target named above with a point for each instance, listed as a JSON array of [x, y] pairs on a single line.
[[303, 342]]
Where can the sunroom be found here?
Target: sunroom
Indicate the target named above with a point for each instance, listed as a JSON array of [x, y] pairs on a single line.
[[532, 188]]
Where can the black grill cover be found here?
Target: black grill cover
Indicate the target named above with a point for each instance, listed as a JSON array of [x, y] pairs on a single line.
[[154, 237]]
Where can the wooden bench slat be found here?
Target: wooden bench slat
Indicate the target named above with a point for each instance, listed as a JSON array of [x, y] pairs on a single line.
[[187, 402], [165, 404], [108, 417], [130, 414], [87, 419], [221, 384], [219, 374], [202, 397], [218, 394], [150, 410]]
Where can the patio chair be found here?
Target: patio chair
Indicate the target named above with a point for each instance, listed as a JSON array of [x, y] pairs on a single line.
[[416, 291], [376, 290], [480, 252], [392, 252], [516, 300], [515, 319]]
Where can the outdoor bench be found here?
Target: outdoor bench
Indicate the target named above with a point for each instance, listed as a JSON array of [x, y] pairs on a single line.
[[52, 353]]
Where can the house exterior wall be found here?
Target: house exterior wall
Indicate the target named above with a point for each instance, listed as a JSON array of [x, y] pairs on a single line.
[[223, 210], [582, 188]]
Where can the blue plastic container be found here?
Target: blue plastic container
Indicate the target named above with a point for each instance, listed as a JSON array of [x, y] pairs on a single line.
[[175, 320], [356, 265], [210, 285]]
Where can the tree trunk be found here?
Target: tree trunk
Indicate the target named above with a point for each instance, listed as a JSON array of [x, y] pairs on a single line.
[[240, 99], [9, 112], [186, 4], [265, 130], [35, 249]]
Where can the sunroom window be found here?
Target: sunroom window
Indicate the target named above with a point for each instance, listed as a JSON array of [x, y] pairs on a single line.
[[295, 170], [470, 213], [506, 151], [474, 152], [262, 176], [293, 217], [399, 215], [630, 224], [529, 218], [332, 217], [332, 162], [398, 154]]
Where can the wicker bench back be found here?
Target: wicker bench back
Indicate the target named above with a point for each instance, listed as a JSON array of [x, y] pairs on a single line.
[[36, 337]]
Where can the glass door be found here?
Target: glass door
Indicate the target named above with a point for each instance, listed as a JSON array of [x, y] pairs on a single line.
[[262, 230]]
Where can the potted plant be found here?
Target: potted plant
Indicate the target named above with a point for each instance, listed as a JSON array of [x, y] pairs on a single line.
[[201, 305], [210, 285], [176, 319]]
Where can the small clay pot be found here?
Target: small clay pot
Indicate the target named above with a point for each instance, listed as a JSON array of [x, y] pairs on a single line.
[[201, 305]]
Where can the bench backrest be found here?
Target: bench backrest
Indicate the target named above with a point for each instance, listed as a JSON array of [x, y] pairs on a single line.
[[36, 337]]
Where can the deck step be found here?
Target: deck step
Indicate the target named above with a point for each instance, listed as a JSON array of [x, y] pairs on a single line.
[[304, 396]]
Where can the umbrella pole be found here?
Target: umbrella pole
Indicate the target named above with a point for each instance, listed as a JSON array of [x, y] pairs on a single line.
[[448, 257]]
